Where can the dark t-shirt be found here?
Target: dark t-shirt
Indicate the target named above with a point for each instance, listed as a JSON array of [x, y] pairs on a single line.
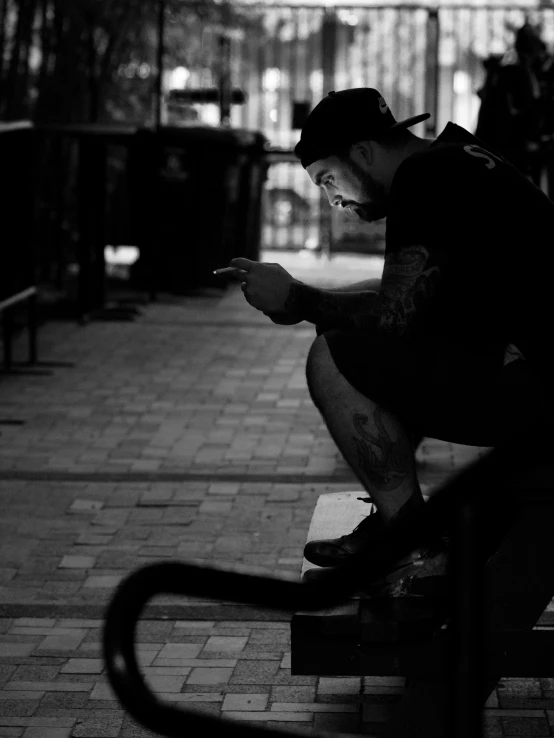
[[490, 231]]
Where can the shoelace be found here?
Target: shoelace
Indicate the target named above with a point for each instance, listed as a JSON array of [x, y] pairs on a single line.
[[366, 520]]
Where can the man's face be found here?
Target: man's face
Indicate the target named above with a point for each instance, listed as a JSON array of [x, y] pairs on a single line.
[[352, 184]]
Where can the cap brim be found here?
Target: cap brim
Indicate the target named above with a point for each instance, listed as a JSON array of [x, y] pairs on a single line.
[[407, 122]]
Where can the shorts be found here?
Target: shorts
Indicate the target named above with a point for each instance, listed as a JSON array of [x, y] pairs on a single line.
[[452, 391]]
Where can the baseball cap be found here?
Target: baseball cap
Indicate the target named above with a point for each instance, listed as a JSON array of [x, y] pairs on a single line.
[[344, 117]]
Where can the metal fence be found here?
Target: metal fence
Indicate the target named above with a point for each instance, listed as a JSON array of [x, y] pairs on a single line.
[[285, 58]]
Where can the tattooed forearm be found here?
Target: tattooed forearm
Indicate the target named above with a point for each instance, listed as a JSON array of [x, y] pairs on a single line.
[[332, 308], [408, 287], [385, 462]]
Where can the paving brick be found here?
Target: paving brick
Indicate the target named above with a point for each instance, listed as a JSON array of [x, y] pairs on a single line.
[[39, 722], [269, 640], [313, 707], [77, 562], [6, 672], [179, 651], [492, 700], [46, 733], [225, 644], [164, 683], [224, 488], [194, 625], [193, 697], [286, 662], [333, 722], [64, 700], [528, 726], [105, 581], [339, 685], [245, 702], [214, 507], [17, 708], [106, 727], [21, 695], [378, 681], [293, 694], [203, 675], [190, 663], [83, 666], [284, 678], [267, 717], [254, 672], [68, 642], [8, 650], [65, 686], [86, 506], [155, 671], [262, 655], [102, 691], [31, 673]]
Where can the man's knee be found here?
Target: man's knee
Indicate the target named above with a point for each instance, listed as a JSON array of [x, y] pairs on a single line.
[[319, 370]]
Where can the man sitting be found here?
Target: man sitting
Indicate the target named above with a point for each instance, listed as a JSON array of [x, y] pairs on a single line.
[[454, 342]]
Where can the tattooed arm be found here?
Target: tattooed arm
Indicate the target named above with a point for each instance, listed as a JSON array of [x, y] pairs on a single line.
[[371, 285], [323, 308], [409, 284], [332, 308]]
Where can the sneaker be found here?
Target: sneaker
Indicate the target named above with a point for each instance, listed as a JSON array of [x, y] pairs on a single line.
[[337, 551]]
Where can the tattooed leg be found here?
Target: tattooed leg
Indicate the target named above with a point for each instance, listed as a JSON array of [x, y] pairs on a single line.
[[371, 439]]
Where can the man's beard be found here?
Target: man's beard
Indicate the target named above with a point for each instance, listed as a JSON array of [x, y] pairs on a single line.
[[372, 204], [366, 211]]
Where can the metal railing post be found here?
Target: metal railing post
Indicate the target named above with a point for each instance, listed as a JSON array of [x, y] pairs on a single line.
[[467, 626], [329, 58], [160, 63], [432, 76]]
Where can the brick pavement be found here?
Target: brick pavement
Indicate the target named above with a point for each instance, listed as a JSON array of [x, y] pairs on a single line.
[[188, 434]]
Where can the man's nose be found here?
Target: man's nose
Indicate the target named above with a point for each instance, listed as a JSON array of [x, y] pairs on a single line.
[[335, 200]]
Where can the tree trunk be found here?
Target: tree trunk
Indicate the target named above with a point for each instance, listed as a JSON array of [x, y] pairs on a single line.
[[46, 33], [91, 73], [16, 92], [23, 87], [3, 39], [13, 62]]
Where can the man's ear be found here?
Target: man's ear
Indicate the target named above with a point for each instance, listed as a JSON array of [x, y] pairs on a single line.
[[362, 152]]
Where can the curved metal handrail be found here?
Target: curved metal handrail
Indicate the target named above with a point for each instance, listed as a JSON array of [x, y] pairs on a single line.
[[482, 477], [179, 579]]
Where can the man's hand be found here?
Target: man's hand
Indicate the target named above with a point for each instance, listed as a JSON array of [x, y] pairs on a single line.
[[265, 286], [284, 318]]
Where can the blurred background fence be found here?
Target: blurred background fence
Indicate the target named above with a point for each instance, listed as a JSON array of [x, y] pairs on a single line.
[[127, 65]]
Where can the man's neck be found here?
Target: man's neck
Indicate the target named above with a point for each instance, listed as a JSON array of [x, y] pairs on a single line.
[[413, 147], [418, 144]]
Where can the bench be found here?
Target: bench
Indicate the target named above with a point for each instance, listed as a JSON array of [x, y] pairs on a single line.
[[413, 638], [17, 283], [18, 258], [7, 305]]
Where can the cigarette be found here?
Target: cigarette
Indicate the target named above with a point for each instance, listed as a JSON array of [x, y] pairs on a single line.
[[225, 270]]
